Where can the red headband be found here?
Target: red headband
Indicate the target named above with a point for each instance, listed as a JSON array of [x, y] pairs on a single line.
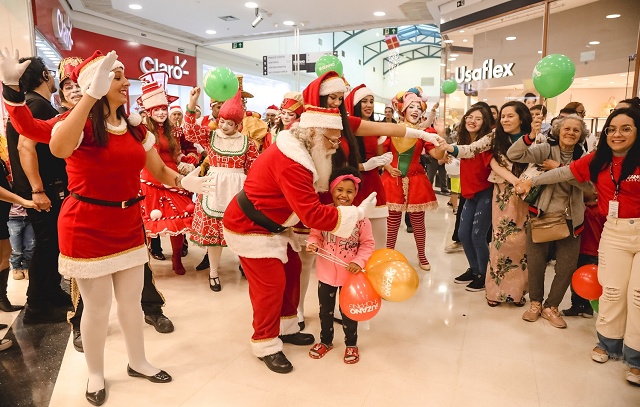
[[341, 178]]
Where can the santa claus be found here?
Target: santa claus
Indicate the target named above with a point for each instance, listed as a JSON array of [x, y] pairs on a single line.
[[281, 190]]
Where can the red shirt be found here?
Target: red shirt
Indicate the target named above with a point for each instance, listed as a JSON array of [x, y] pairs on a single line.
[[474, 174], [629, 196]]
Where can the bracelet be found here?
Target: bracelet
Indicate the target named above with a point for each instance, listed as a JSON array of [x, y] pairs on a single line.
[[37, 192]]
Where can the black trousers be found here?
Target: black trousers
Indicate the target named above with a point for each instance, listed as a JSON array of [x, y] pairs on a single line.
[[327, 297], [44, 279], [152, 300], [576, 300]]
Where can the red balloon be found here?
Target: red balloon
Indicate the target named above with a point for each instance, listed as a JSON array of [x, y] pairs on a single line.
[[189, 208], [358, 300], [585, 282]]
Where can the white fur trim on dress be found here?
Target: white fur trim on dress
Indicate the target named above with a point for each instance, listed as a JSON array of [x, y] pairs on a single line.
[[265, 347], [55, 127], [289, 325], [259, 246], [71, 267], [149, 141], [295, 149], [347, 219]]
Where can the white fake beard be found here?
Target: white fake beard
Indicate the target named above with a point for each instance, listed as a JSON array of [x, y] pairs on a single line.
[[321, 158]]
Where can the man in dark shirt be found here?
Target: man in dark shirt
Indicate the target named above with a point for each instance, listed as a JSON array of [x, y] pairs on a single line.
[[388, 115], [40, 176]]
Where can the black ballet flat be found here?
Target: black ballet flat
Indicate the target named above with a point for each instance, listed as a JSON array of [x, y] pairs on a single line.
[[96, 398], [160, 377], [216, 284]]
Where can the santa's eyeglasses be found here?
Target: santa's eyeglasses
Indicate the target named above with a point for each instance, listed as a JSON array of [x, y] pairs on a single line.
[[334, 143]]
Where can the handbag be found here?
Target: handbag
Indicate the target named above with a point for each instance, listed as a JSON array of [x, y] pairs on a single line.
[[549, 227], [533, 170]]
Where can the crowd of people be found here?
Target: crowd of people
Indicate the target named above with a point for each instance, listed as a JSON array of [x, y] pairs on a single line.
[[316, 187]]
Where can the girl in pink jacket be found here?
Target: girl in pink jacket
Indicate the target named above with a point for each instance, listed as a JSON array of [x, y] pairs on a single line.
[[353, 251]]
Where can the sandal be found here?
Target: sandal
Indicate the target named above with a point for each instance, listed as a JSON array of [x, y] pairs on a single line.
[[351, 355], [520, 303], [319, 350], [492, 303]]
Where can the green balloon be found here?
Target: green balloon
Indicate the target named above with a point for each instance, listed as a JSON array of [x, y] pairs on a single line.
[[553, 75], [328, 63], [449, 86], [220, 84], [595, 304]]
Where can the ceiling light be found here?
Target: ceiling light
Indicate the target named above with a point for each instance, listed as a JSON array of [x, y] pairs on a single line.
[[135, 7], [452, 59], [461, 31], [443, 64], [210, 32], [539, 52], [585, 79], [485, 99], [379, 13], [288, 22], [510, 38], [377, 34], [594, 42], [613, 16], [465, 40], [612, 82], [448, 41], [251, 4], [258, 18], [454, 55]]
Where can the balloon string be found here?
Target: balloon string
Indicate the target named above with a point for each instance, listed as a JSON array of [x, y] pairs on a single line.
[[325, 254]]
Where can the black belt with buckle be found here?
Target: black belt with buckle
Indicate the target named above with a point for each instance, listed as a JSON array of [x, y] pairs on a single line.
[[255, 215], [119, 204]]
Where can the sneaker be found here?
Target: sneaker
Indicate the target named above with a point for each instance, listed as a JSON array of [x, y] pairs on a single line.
[[578, 311], [453, 247], [18, 274], [633, 377], [476, 285], [552, 315], [464, 278], [533, 313], [599, 355]]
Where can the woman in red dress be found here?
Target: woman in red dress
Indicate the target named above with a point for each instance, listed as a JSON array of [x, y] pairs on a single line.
[[405, 181], [291, 108], [166, 210], [100, 224]]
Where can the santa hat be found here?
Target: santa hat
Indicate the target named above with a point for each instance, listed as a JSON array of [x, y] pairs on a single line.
[[319, 117], [356, 95], [232, 109], [84, 72], [293, 102], [273, 109], [66, 68], [328, 83], [175, 108]]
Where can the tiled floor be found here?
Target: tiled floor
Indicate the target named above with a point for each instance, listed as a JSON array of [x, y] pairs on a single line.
[[443, 347]]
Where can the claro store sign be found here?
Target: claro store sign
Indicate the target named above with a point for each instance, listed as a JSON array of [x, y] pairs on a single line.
[[489, 70]]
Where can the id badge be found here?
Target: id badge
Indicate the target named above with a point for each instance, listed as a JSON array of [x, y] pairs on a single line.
[[613, 208]]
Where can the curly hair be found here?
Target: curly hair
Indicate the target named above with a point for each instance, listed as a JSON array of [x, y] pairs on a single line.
[[464, 137], [33, 76]]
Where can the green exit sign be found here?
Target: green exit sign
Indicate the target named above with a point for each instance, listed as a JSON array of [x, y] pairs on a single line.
[[236, 45], [390, 31]]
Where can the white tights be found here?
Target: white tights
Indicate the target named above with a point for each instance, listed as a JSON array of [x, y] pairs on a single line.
[[214, 253], [96, 294]]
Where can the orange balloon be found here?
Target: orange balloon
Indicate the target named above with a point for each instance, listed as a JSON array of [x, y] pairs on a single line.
[[358, 299], [394, 280], [382, 256]]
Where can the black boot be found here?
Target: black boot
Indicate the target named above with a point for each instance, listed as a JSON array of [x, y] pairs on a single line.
[[204, 264], [5, 305]]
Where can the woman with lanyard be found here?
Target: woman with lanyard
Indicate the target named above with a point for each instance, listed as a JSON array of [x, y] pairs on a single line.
[[614, 168]]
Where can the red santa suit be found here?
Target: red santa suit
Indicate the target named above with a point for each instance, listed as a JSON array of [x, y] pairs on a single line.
[[281, 185]]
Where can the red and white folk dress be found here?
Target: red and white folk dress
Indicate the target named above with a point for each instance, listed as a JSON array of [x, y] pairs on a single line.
[[230, 158], [172, 202]]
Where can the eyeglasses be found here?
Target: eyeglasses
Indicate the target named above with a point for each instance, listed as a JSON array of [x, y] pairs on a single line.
[[334, 143], [624, 130], [473, 119]]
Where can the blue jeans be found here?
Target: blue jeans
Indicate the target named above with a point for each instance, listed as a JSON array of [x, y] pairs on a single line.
[[23, 242], [475, 222], [616, 349]]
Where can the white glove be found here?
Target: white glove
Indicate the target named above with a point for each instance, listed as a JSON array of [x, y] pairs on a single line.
[[185, 168], [430, 137], [102, 78], [377, 161], [199, 185], [367, 206], [10, 69]]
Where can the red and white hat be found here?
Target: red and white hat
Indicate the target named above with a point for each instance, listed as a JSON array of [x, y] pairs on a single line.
[[84, 72], [411, 97], [319, 117], [293, 102], [153, 90], [356, 95], [273, 109], [232, 109], [175, 108], [66, 68], [328, 83]]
